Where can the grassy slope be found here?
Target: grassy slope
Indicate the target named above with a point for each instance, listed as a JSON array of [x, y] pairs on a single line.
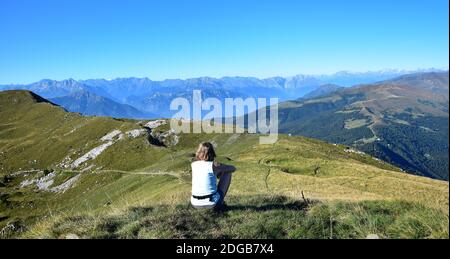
[[403, 121], [139, 190]]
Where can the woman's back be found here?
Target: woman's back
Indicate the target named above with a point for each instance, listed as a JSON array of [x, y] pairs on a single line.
[[204, 185], [203, 178]]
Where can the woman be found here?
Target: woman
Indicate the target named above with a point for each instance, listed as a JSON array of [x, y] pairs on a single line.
[[205, 191]]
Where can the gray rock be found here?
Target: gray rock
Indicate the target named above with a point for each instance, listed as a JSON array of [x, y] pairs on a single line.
[[372, 236]]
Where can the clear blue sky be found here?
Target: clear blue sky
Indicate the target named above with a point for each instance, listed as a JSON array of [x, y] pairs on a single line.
[[180, 39]]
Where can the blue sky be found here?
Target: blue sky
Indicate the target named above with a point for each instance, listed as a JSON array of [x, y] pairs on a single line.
[[181, 39]]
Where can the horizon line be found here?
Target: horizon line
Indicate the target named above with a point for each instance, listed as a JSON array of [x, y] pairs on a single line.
[[386, 70]]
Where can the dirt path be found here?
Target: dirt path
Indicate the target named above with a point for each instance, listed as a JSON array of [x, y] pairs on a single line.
[[174, 174]]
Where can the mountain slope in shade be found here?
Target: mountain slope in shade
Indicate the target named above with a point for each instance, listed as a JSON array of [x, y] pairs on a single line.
[[87, 103], [323, 90], [404, 121]]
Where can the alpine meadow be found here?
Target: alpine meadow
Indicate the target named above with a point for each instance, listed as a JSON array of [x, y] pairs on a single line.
[[67, 175]]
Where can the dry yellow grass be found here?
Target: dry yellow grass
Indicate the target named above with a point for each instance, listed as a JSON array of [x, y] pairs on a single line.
[[338, 179]]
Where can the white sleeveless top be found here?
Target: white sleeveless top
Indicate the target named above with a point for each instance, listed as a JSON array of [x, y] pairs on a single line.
[[204, 183]]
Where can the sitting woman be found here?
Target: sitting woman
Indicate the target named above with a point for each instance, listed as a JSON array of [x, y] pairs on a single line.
[[205, 191]]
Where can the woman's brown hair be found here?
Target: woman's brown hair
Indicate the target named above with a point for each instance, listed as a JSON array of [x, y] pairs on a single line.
[[205, 152]]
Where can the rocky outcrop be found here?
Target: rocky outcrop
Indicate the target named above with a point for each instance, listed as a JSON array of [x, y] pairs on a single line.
[[42, 183], [161, 138], [154, 124], [92, 154], [66, 185], [166, 138], [135, 133], [110, 136], [110, 139]]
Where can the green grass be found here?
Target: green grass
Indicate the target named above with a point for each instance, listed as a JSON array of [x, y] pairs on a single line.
[[353, 124], [257, 217], [138, 190]]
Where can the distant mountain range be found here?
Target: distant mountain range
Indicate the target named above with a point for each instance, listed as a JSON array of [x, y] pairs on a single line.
[[153, 98], [90, 104], [404, 121]]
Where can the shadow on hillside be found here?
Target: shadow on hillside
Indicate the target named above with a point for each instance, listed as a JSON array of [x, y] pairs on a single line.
[[262, 216], [255, 203], [240, 219], [267, 207], [260, 203]]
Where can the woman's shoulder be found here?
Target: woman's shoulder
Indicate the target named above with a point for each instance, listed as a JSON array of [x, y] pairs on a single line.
[[201, 162]]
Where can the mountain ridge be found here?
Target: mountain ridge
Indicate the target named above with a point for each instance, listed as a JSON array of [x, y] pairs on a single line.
[[154, 97], [369, 116]]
